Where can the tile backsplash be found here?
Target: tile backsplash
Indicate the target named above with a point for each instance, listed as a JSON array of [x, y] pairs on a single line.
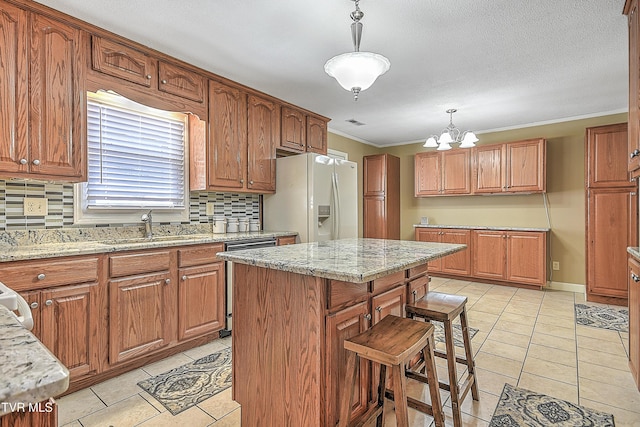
[[60, 205]]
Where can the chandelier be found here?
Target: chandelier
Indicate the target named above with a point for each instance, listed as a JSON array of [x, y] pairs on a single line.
[[451, 135], [356, 71]]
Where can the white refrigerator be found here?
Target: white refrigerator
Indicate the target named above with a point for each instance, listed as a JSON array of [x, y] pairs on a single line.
[[316, 196]]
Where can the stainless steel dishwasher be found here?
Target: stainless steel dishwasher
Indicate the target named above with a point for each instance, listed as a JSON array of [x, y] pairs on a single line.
[[238, 245]]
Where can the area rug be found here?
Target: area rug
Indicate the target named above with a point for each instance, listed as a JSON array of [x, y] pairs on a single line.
[[438, 333], [598, 316], [523, 408], [186, 386]]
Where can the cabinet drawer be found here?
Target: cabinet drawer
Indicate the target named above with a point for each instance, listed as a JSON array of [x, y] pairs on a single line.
[[178, 81], [130, 264], [43, 274], [387, 282], [417, 288], [121, 61], [416, 271], [341, 293], [198, 255], [289, 240]]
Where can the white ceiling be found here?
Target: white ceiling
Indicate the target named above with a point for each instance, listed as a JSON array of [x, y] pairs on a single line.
[[501, 63]]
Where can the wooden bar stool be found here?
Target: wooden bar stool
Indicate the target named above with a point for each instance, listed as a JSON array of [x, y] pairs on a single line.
[[445, 308], [392, 342]]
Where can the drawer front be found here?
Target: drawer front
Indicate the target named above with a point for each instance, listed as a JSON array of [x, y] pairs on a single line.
[[178, 81], [417, 289], [121, 61], [289, 240], [199, 255], [343, 293], [387, 282], [416, 271], [138, 263], [46, 273]]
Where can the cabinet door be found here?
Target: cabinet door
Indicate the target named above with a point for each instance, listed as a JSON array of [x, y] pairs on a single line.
[[138, 308], [227, 137], [340, 326], [456, 172], [526, 166], [200, 300], [263, 136], [489, 169], [526, 258], [417, 288], [607, 156], [70, 326], [390, 302], [633, 276], [375, 175], [121, 61], [316, 135], [178, 81], [460, 262], [611, 221], [428, 174], [431, 235], [374, 213], [633, 154], [294, 130], [489, 252], [13, 89], [58, 110]]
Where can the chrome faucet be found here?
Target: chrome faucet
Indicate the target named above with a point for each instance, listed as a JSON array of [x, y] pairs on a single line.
[[146, 218]]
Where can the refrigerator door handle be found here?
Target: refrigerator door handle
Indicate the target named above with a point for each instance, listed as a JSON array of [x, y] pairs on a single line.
[[336, 207]]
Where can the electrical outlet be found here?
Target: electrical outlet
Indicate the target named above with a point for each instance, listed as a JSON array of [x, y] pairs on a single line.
[[210, 209], [34, 206], [556, 265]]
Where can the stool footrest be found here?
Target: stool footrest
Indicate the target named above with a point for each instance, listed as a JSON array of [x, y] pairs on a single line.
[[366, 417], [466, 386], [423, 379], [413, 403], [443, 355]]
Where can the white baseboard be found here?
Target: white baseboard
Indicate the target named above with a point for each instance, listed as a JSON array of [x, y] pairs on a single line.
[[568, 287]]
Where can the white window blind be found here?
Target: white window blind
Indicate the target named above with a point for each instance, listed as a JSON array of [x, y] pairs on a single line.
[[136, 158]]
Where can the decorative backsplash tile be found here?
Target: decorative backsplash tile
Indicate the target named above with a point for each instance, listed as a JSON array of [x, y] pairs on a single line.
[[60, 205]]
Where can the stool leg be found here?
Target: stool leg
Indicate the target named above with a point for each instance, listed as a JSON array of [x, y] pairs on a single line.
[[434, 389], [471, 365], [453, 375], [382, 388], [400, 395], [348, 383]]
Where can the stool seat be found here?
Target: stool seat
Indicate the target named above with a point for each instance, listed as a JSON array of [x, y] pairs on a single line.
[[438, 306]]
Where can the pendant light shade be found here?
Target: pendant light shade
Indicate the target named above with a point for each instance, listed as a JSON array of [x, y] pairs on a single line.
[[356, 71], [451, 135]]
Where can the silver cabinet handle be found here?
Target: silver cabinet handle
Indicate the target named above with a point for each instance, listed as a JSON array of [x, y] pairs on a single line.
[[414, 292], [23, 161], [635, 277], [167, 281], [34, 305], [242, 181], [379, 309], [36, 162], [148, 76], [184, 277], [41, 276], [251, 182], [367, 316], [48, 302], [163, 81]]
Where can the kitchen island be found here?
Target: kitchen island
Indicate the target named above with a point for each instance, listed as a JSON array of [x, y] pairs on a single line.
[[293, 306]]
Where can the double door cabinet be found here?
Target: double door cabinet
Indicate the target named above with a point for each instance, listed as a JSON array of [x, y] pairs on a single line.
[[514, 167], [302, 132], [381, 204], [518, 257], [100, 314]]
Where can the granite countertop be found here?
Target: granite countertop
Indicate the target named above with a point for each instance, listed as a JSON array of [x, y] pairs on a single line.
[[350, 260], [68, 244], [29, 373], [635, 252], [480, 227]]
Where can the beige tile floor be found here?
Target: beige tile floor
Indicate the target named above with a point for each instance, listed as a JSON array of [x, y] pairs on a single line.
[[526, 338]]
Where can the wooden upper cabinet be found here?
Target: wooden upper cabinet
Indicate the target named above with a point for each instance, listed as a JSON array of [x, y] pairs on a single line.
[[263, 134], [489, 169], [57, 100], [526, 166], [606, 149], [227, 137], [294, 130], [427, 174], [180, 81], [442, 173], [316, 135], [121, 61], [375, 177], [633, 145]]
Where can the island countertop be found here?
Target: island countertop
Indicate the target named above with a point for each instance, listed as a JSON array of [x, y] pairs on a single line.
[[349, 260]]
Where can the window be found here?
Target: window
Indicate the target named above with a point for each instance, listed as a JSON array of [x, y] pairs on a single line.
[[136, 162]]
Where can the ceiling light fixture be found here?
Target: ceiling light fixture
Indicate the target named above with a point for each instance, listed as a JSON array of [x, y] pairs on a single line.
[[451, 135], [356, 71]]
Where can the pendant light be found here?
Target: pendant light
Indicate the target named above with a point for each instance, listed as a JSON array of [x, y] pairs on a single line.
[[356, 71], [451, 135]]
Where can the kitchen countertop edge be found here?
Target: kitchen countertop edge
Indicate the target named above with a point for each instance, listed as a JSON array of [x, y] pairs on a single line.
[[635, 252], [482, 227]]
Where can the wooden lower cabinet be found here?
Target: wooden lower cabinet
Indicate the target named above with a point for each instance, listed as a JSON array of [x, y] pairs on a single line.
[[633, 271], [200, 300], [287, 240], [489, 255], [458, 263]]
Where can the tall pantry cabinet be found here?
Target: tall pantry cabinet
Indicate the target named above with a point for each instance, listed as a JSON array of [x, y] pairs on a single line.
[[381, 207]]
